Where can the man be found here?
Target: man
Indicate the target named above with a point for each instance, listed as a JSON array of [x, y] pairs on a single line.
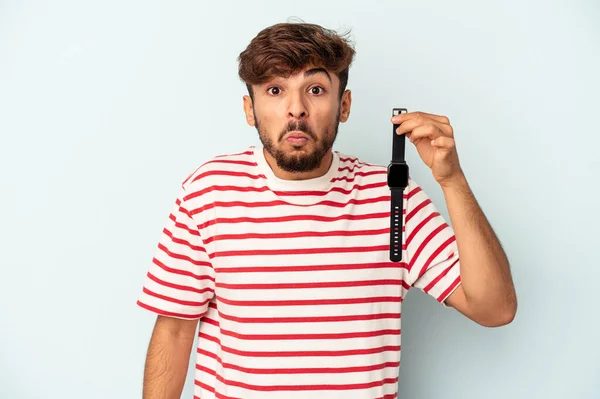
[[280, 253]]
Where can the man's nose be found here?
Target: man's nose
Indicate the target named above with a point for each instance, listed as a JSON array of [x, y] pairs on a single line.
[[297, 108]]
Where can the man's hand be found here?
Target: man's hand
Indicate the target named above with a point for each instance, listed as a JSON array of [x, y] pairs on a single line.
[[433, 137]]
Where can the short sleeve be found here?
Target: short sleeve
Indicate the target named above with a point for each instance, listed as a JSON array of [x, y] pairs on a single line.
[[180, 280], [432, 253]]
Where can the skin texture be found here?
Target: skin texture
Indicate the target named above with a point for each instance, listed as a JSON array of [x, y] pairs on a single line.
[[168, 357]]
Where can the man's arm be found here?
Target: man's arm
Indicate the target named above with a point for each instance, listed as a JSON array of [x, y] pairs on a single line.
[[168, 357], [487, 294]]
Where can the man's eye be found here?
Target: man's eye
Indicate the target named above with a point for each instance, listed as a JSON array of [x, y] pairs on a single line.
[[274, 90], [317, 90]]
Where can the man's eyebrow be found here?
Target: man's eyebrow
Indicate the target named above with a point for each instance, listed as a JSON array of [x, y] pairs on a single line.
[[314, 71]]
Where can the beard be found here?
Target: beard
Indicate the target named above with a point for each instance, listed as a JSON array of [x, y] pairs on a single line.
[[296, 161]]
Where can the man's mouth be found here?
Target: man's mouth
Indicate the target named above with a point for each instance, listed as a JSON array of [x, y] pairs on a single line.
[[297, 138]]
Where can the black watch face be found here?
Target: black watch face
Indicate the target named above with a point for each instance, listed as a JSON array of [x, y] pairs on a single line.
[[398, 175]]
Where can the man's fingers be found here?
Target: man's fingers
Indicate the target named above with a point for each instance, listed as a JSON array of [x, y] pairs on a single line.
[[424, 131], [444, 142], [438, 118], [424, 126], [421, 115]]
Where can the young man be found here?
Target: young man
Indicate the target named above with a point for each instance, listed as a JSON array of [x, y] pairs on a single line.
[[281, 253]]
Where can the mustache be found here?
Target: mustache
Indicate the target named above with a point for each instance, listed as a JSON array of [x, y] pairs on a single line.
[[300, 126]]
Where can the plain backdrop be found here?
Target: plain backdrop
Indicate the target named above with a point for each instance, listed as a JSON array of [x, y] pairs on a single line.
[[105, 107]]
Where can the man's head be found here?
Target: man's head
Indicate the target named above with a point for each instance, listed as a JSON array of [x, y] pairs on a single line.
[[296, 76]]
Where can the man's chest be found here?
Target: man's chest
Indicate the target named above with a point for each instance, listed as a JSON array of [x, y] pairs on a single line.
[[325, 254]]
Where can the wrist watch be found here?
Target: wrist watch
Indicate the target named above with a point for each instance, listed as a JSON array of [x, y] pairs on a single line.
[[397, 179]]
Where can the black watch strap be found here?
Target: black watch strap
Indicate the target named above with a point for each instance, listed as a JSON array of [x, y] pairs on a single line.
[[397, 195], [398, 147], [396, 217]]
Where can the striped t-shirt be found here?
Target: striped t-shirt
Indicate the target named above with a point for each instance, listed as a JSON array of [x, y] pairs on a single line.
[[291, 280]]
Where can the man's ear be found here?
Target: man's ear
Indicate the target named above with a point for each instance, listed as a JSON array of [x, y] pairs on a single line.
[[345, 104], [249, 110]]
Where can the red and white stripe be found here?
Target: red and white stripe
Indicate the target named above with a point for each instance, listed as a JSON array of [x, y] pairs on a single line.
[[291, 280]]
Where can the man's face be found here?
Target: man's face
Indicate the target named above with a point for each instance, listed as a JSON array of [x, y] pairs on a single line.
[[297, 118]]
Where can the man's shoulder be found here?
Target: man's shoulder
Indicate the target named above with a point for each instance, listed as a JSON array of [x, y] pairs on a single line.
[[223, 165]]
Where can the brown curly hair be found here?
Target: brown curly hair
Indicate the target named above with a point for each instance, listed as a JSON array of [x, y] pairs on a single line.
[[287, 48]]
